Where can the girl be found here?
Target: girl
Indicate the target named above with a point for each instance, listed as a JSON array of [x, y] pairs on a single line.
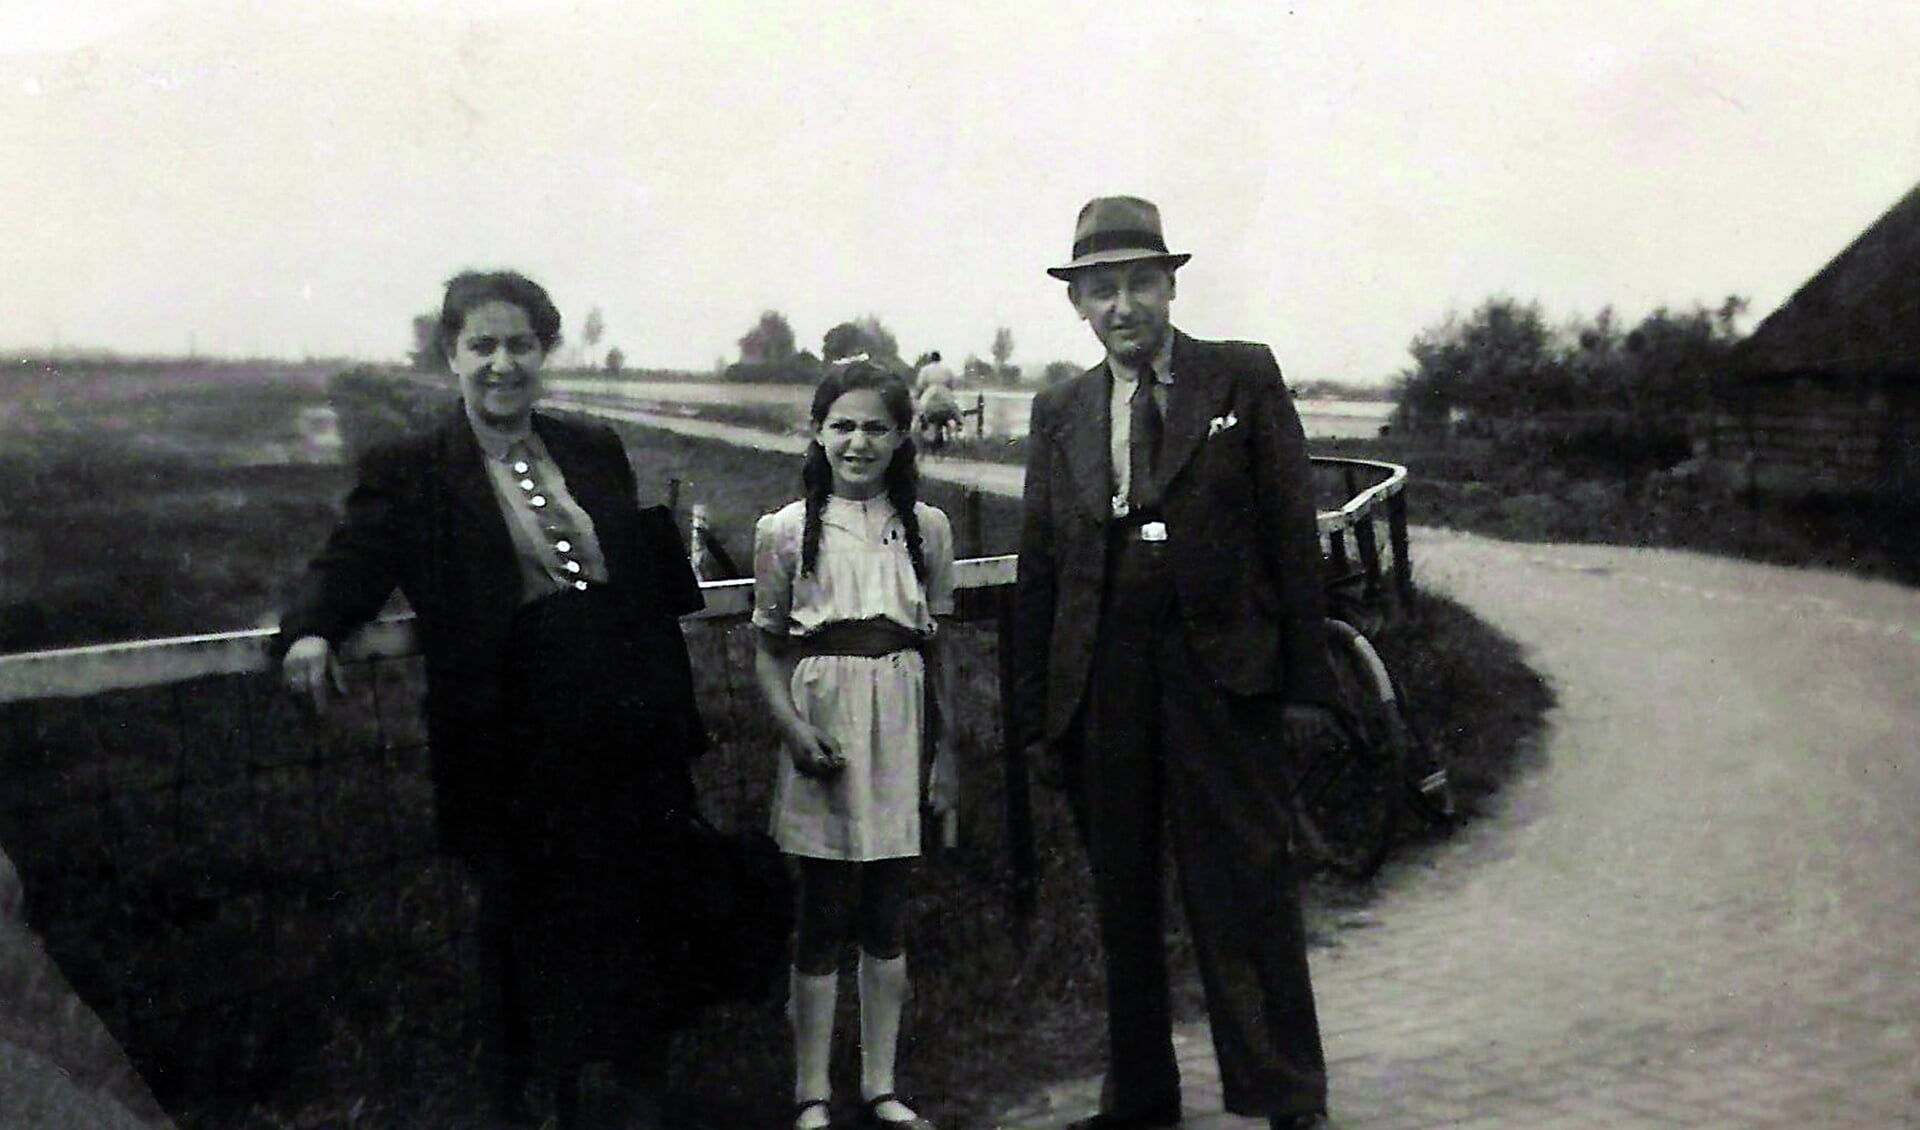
[[847, 582]]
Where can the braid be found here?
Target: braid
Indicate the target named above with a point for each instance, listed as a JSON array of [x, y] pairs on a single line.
[[816, 482], [903, 490]]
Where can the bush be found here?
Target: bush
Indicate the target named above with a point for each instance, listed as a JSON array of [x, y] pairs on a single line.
[[376, 405], [1595, 444], [800, 369]]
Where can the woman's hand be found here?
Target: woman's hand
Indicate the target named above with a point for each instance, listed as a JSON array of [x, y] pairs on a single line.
[[813, 752], [309, 669]]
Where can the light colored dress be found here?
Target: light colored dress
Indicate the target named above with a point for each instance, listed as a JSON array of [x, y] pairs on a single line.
[[873, 708]]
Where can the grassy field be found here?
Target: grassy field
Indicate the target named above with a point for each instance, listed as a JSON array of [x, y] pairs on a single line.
[[252, 902], [152, 503]]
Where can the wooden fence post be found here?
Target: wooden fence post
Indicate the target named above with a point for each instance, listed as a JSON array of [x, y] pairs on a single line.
[[1018, 815], [972, 524], [1364, 541], [1397, 539]]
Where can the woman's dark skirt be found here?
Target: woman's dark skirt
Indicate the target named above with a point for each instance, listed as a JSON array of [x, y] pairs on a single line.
[[596, 777]]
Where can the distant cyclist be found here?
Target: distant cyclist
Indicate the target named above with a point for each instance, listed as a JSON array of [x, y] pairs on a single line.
[[935, 409]]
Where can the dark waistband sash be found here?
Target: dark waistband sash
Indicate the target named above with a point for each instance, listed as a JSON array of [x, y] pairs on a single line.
[[867, 639]]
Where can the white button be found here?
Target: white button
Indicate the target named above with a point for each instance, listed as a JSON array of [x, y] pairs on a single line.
[[521, 467], [526, 484], [573, 566], [563, 545], [538, 500], [581, 585]]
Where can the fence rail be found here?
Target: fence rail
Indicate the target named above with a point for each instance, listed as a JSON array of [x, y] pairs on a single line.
[[80, 671]]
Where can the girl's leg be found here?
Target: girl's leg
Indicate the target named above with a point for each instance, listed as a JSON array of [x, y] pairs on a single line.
[[826, 893], [883, 983]]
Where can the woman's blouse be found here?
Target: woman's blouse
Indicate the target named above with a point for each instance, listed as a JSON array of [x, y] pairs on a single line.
[[553, 538], [862, 570]]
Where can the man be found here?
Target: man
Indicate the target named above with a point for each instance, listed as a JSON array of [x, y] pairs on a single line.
[[1170, 658]]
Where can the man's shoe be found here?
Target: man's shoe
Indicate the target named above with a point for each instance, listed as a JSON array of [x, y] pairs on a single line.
[[1315, 1121], [1153, 1120]]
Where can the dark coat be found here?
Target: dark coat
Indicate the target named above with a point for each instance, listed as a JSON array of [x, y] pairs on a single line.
[[423, 518], [1238, 503]]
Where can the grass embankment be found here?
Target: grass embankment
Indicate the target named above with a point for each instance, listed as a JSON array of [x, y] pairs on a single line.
[[196, 817]]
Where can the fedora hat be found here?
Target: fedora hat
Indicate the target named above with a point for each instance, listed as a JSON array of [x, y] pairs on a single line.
[[1117, 229]]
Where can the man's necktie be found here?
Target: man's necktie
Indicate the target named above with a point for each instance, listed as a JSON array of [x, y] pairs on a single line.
[[1144, 447]]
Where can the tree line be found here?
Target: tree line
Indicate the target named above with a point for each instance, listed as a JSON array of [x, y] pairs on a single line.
[[770, 352], [1505, 362], [1591, 394]]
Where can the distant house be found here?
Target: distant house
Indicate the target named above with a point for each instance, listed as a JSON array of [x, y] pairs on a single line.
[[1824, 397]]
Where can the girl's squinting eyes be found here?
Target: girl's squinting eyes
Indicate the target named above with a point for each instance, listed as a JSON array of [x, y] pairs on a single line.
[[874, 429]]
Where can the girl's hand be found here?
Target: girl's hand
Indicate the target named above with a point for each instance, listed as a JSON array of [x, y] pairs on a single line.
[[943, 783], [813, 752]]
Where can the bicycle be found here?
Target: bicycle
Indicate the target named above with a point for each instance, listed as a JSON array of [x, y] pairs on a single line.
[[1349, 793]]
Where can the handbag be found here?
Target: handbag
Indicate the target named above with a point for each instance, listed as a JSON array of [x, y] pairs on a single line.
[[736, 911]]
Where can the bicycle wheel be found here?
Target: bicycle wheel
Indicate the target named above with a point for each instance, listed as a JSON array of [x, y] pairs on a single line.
[[1347, 798]]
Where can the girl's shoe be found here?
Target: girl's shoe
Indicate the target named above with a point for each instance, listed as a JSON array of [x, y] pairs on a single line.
[[800, 1110], [870, 1115]]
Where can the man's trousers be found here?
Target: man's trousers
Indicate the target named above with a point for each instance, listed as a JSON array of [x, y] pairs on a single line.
[[1159, 741]]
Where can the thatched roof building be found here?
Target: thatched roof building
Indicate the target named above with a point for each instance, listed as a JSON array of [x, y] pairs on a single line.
[[1825, 395]]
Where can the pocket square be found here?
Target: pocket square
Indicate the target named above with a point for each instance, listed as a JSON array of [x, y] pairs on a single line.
[[1221, 423]]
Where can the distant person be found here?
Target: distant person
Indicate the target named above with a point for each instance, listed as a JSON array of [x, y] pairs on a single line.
[[848, 582], [560, 709], [934, 373], [937, 413], [1170, 660]]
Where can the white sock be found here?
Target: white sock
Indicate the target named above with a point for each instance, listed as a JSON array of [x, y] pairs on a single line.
[[883, 993], [810, 1005]]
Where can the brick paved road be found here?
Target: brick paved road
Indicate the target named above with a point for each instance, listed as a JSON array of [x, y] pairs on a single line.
[[1703, 911]]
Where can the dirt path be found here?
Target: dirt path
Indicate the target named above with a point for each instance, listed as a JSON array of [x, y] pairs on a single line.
[[995, 478]]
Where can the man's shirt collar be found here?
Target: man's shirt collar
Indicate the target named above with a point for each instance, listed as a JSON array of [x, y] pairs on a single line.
[[1162, 364]]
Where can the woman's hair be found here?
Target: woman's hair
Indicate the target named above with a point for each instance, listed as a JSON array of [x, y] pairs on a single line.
[[902, 480], [469, 289]]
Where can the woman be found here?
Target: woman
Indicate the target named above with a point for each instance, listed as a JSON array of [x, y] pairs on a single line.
[[847, 582], [560, 709]]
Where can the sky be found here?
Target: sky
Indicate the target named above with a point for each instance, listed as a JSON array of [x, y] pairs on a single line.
[[299, 179]]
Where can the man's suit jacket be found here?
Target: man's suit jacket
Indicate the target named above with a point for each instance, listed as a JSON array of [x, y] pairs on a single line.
[[1238, 504], [423, 518]]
